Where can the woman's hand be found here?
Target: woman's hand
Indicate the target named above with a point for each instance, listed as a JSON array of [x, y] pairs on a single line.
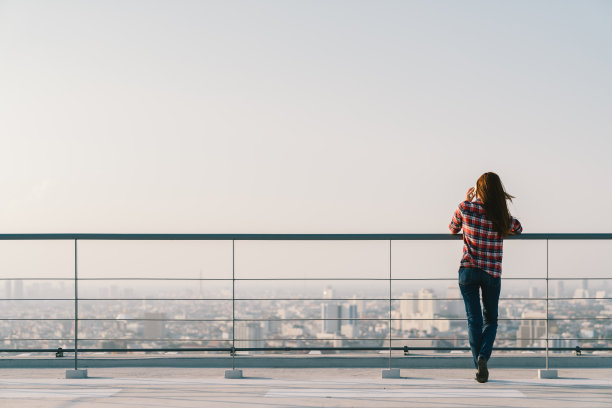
[[471, 193]]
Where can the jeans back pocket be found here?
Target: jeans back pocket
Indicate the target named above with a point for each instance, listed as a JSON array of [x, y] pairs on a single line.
[[467, 276]]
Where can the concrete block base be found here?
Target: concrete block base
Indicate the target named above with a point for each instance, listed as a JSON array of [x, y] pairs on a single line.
[[547, 374], [391, 373], [80, 373], [233, 374]]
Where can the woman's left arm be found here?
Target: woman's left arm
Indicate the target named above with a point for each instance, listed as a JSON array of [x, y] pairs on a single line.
[[457, 221], [515, 226]]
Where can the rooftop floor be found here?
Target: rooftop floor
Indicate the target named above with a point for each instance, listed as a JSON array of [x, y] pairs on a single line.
[[266, 387]]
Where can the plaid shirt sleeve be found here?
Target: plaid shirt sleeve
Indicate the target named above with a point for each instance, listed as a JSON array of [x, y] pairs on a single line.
[[457, 221]]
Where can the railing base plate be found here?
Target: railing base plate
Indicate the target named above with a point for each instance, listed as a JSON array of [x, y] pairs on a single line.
[[80, 373], [543, 374], [233, 374], [391, 373]]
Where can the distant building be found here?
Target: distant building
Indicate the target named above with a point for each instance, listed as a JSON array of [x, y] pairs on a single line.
[[407, 309], [408, 305], [563, 341], [351, 313], [339, 319], [154, 329], [559, 290], [249, 334], [18, 289], [428, 307], [328, 292], [350, 327], [530, 332], [330, 313], [421, 313], [350, 331], [581, 293], [113, 344], [291, 330], [272, 326], [454, 308]]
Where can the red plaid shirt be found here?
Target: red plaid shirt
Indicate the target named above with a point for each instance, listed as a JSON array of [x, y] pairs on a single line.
[[483, 247]]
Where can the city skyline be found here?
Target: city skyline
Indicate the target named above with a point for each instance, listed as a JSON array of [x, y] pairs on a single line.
[[426, 317]]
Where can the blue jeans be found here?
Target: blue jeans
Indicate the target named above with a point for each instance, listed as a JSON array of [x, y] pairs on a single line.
[[471, 282]]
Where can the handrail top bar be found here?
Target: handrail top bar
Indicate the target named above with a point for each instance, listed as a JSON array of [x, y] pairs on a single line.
[[291, 237]]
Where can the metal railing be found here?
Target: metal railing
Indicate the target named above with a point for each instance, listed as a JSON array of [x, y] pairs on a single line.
[[232, 350]]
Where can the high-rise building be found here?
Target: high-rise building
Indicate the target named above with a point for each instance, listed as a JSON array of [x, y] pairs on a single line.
[[428, 307], [352, 313], [8, 292], [249, 334], [350, 328], [420, 314], [330, 313], [408, 308], [531, 330]]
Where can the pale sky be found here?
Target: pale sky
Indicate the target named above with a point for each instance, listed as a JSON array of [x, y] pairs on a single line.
[[301, 117]]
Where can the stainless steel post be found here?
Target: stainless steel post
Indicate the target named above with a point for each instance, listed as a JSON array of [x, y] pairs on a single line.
[[233, 309], [76, 308], [547, 304], [390, 305]]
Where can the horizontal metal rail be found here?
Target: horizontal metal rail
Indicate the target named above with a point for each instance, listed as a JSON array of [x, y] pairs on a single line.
[[294, 279], [196, 340], [291, 237], [298, 299], [310, 348], [291, 319]]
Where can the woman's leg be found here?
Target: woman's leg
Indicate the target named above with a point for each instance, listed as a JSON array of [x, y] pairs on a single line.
[[470, 290], [491, 288]]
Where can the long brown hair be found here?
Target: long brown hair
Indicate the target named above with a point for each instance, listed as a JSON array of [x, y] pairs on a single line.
[[491, 192]]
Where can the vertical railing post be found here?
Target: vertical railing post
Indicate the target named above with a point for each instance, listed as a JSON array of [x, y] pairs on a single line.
[[390, 373], [547, 304], [233, 308], [233, 373], [76, 373], [76, 308], [390, 306], [547, 373]]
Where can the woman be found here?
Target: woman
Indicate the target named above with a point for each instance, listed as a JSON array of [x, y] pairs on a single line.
[[485, 220]]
